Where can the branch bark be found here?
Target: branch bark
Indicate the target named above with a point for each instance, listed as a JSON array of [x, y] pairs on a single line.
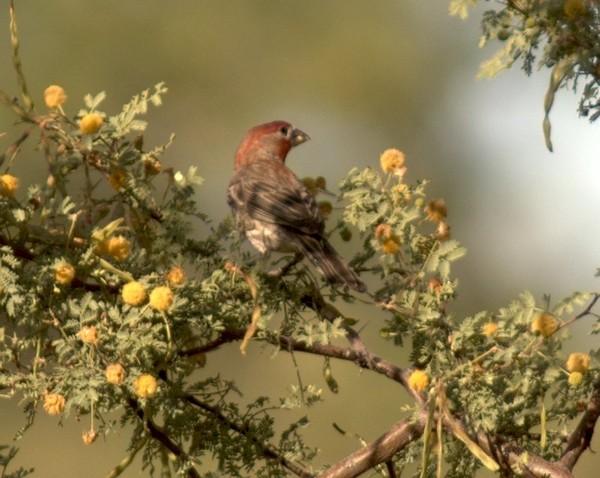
[[581, 438], [378, 451]]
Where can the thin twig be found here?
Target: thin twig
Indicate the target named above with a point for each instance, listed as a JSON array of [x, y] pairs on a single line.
[[268, 450], [162, 437]]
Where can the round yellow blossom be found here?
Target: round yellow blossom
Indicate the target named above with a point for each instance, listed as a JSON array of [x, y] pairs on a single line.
[[545, 324], [145, 385], [89, 334], [391, 245], [117, 247], [176, 276], [115, 373], [418, 380], [490, 328], [320, 182], [578, 362], [325, 208], [54, 403], [134, 293], [161, 298], [89, 437], [391, 160], [54, 96], [8, 185], [64, 273], [117, 179], [91, 123], [575, 378], [574, 9], [436, 210]]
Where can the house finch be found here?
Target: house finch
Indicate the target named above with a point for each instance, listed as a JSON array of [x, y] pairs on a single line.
[[274, 209]]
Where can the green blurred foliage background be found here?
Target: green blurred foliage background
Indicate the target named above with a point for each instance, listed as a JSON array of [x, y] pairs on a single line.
[[359, 77]]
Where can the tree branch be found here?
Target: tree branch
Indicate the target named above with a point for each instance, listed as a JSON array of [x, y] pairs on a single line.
[[160, 436], [378, 451], [268, 450], [581, 437]]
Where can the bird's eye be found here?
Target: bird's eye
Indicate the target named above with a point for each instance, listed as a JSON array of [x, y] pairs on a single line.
[[284, 130]]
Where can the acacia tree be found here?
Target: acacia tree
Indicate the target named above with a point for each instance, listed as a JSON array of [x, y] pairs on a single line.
[[110, 303]]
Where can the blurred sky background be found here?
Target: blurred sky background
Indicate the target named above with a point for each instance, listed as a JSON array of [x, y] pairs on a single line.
[[358, 77]]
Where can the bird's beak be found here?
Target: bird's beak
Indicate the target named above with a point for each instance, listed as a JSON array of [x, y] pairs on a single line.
[[299, 137]]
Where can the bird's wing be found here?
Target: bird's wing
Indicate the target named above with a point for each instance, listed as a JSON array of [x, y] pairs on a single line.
[[273, 194]]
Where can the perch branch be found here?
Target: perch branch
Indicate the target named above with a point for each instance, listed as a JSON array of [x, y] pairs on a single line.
[[581, 437], [378, 451]]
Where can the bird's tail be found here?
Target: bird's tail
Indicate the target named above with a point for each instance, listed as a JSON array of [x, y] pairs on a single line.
[[329, 262]]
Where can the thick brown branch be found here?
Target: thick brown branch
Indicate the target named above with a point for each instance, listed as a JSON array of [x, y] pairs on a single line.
[[378, 451], [581, 437], [357, 353], [510, 456]]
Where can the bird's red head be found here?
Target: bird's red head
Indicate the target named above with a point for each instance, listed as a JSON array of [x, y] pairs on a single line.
[[268, 141]]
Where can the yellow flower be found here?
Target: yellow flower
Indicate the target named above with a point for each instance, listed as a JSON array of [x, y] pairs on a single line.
[[91, 123], [391, 160], [161, 298], [64, 273], [115, 373], [176, 276], [578, 362], [490, 328], [54, 403], [89, 334], [391, 245], [134, 293], [8, 185], [117, 247], [575, 378], [436, 210], [54, 96], [145, 385], [418, 380], [545, 324], [117, 179], [89, 437]]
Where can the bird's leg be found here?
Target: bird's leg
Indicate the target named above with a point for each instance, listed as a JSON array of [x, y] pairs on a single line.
[[280, 271]]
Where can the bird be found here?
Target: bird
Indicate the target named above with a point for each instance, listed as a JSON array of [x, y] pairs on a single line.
[[274, 209]]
